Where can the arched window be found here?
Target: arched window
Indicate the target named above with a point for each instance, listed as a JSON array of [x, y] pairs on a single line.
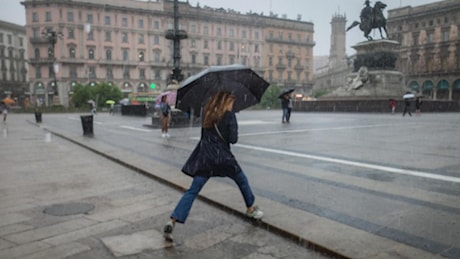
[[126, 84], [142, 87], [91, 54], [414, 86], [427, 88], [443, 89]]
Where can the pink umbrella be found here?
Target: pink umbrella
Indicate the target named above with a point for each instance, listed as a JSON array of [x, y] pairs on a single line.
[[171, 97]]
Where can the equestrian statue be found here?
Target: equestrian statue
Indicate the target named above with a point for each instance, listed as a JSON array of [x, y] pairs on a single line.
[[371, 18]]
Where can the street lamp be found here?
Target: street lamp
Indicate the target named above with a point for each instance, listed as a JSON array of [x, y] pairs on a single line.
[[176, 35], [52, 38]]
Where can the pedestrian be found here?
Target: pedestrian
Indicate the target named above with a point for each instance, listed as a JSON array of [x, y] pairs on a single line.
[[418, 102], [288, 116], [4, 108], [165, 115], [393, 105], [212, 157], [285, 107], [407, 107], [111, 112], [93, 108]]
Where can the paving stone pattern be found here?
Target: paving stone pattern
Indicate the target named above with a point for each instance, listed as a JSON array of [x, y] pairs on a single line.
[[38, 171]]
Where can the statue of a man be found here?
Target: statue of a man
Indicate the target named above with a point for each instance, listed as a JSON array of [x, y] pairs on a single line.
[[367, 15]]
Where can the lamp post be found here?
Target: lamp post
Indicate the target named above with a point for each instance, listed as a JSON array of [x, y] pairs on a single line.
[[176, 35], [52, 38]]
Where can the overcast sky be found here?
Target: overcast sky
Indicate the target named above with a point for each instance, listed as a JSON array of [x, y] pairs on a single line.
[[319, 12]]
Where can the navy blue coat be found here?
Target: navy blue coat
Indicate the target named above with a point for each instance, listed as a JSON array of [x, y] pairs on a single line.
[[212, 155]]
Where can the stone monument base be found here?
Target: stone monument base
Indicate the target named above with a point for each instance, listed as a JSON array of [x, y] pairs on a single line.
[[374, 74], [379, 84]]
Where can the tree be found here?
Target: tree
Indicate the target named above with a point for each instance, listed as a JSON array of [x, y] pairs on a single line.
[[99, 93], [270, 98], [81, 95], [103, 92]]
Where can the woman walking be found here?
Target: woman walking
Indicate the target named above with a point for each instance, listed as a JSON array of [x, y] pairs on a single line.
[[213, 157], [165, 116]]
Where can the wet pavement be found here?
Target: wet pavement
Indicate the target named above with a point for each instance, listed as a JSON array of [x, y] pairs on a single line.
[[61, 200], [131, 207]]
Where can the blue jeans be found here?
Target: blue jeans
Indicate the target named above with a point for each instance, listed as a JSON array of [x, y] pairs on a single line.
[[182, 209], [285, 115]]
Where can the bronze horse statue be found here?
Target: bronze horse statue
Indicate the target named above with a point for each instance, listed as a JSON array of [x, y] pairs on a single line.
[[371, 18]]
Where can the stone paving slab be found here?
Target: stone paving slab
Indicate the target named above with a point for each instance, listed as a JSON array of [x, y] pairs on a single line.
[[135, 243], [130, 209]]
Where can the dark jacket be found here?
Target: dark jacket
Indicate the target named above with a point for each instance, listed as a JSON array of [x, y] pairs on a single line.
[[284, 103], [212, 155]]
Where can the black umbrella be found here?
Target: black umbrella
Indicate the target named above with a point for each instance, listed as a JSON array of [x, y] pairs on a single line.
[[286, 92], [241, 81]]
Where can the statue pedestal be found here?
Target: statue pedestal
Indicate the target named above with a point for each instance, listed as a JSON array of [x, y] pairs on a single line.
[[374, 74], [376, 55]]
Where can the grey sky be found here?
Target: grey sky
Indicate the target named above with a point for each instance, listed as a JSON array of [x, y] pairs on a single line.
[[319, 12]]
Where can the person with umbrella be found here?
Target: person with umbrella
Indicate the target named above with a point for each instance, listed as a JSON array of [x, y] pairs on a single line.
[[4, 108], [407, 98], [111, 103], [286, 105], [213, 157]]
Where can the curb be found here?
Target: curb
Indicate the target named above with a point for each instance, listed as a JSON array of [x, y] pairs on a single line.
[[304, 242]]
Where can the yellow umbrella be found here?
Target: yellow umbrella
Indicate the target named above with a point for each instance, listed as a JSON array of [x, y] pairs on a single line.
[[110, 102]]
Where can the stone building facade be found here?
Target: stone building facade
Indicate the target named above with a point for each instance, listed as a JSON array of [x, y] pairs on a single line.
[[430, 47], [123, 43], [13, 61]]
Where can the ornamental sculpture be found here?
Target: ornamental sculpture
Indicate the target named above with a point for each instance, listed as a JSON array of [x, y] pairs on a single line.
[[371, 18]]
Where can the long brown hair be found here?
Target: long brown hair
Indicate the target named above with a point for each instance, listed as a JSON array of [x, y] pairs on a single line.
[[216, 107]]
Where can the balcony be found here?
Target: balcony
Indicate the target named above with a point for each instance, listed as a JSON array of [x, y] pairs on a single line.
[[290, 41], [280, 66], [38, 41], [41, 60], [71, 61]]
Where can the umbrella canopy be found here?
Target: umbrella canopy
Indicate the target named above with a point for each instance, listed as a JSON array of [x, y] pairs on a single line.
[[8, 100], [241, 81], [171, 97], [92, 102], [286, 92], [408, 95], [110, 102], [124, 101]]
